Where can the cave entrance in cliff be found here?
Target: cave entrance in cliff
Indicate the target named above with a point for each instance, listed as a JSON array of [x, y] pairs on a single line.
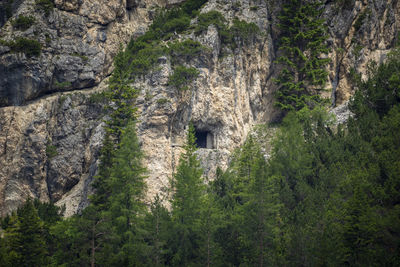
[[204, 139]]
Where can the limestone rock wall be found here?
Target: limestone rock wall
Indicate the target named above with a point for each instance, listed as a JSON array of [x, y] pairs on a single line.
[[360, 32], [79, 40], [50, 132], [50, 135]]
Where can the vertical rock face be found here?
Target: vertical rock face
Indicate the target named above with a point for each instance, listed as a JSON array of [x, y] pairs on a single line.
[[79, 40], [50, 139], [47, 148], [49, 145], [360, 32]]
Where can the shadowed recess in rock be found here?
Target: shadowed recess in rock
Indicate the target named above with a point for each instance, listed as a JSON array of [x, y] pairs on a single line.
[[204, 139]]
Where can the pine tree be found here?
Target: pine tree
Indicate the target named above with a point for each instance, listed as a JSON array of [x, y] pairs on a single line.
[[100, 199], [188, 189], [122, 96], [25, 240], [73, 241], [250, 208], [210, 222], [126, 201], [109, 231], [158, 225], [261, 210], [302, 42]]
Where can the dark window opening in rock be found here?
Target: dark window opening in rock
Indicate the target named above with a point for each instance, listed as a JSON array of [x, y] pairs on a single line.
[[131, 4], [204, 139]]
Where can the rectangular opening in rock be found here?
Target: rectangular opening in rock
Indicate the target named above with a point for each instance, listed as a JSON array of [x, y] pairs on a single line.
[[204, 139]]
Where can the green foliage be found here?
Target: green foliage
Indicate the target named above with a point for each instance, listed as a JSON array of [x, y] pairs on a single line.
[[61, 85], [246, 32], [51, 151], [302, 42], [169, 21], [121, 111], [141, 56], [184, 51], [126, 199], [23, 45], [254, 8], [212, 17], [23, 22], [122, 95], [190, 7], [188, 189], [176, 25], [162, 101], [45, 5], [247, 205], [326, 195], [325, 188], [182, 77], [381, 91], [24, 239], [76, 237], [48, 39], [240, 30], [357, 50], [83, 57], [360, 19], [158, 225], [100, 97], [334, 185], [48, 212]]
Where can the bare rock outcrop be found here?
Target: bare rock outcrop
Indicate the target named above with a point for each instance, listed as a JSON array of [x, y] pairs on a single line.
[[47, 148]]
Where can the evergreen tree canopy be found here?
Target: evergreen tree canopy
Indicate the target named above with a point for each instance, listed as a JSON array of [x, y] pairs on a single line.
[[24, 238], [302, 44], [188, 188]]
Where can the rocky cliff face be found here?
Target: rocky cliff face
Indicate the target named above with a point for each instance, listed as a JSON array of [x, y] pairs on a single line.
[[51, 125]]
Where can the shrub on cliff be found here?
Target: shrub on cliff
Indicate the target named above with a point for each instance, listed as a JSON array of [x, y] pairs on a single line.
[[45, 5], [23, 22], [23, 45], [182, 77]]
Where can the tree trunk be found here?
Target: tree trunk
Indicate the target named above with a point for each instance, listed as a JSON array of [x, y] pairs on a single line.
[[208, 249], [92, 261]]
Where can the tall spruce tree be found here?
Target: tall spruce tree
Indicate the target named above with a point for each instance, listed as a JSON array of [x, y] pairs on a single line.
[[302, 43], [261, 211], [126, 201], [188, 188], [25, 239], [158, 225], [97, 218], [249, 205]]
